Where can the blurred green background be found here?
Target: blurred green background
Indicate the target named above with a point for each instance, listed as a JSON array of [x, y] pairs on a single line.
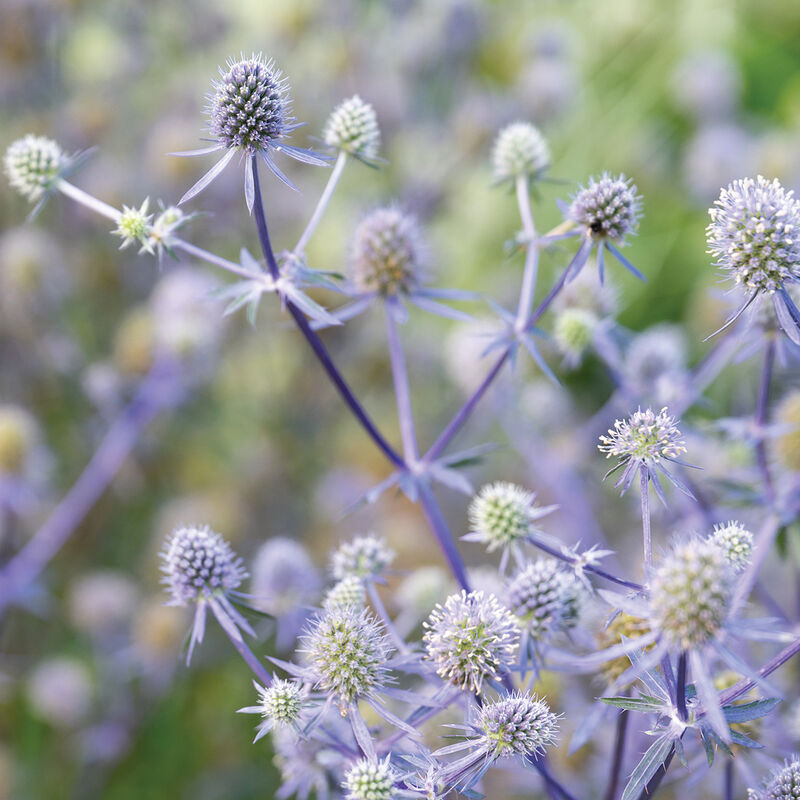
[[682, 96]]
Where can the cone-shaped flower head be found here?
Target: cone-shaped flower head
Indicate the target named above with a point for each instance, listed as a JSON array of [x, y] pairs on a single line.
[[198, 563], [471, 638], [353, 128], [690, 592], [519, 724], [388, 253], [783, 785], [520, 150], [33, 164], [134, 227], [363, 557], [371, 779], [736, 543], [349, 591], [282, 701], [347, 650], [608, 208], [755, 233], [574, 332]]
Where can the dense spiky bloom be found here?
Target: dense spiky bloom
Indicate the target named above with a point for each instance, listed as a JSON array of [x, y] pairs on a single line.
[[573, 332], [543, 597], [371, 779], [622, 626], [608, 208], [250, 112], [349, 591], [388, 253], [363, 557], [503, 515], [353, 128], [280, 704], [347, 651], [690, 592], [197, 562], [471, 638], [784, 784], [736, 543], [520, 150], [284, 577], [33, 165], [134, 226]]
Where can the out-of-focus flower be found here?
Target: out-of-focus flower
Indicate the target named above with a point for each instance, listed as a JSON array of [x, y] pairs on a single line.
[[33, 166], [102, 602], [655, 363], [305, 765], [520, 151], [364, 557], [736, 543], [24, 461], [706, 84], [787, 444], [573, 331], [783, 784], [60, 691], [371, 779], [349, 591], [353, 128]]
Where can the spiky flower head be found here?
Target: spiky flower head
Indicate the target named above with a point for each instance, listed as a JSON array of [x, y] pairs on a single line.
[[574, 332], [784, 784], [347, 650], [249, 108], [371, 779], [520, 150], [543, 597], [33, 164], [353, 128], [622, 625], [281, 702], [502, 514], [755, 233], [349, 591], [284, 577], [388, 253], [736, 543], [690, 592], [364, 557], [608, 208], [162, 231], [198, 563], [518, 724], [134, 226], [787, 444], [645, 437], [471, 638]]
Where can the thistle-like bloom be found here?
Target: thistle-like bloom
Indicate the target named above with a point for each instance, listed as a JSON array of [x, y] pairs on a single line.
[[736, 543], [645, 441], [517, 725], [162, 237], [754, 236], [573, 331], [200, 567], [134, 226], [250, 112], [353, 128], [349, 591], [362, 557], [371, 779], [33, 165], [279, 704], [520, 150], [606, 213], [783, 784], [470, 639], [503, 516]]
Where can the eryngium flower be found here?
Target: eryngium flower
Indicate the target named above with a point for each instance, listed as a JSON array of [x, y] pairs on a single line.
[[644, 441], [471, 638], [33, 164], [363, 557], [279, 704], [371, 779], [349, 591], [519, 724], [352, 128], [250, 112], [503, 515], [347, 651], [755, 236], [134, 226], [783, 785], [200, 567], [573, 331], [690, 592], [736, 543], [520, 150], [388, 254]]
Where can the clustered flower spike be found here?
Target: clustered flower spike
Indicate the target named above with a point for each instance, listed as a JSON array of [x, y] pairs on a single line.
[[250, 112], [349, 591], [736, 543], [754, 235], [134, 226], [518, 724], [690, 593], [353, 128], [503, 515], [362, 557], [33, 165], [573, 332], [347, 650], [520, 150], [371, 779], [280, 704], [388, 253], [783, 785], [471, 638]]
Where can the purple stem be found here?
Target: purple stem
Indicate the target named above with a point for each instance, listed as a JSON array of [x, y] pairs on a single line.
[[680, 691], [316, 343], [155, 393], [259, 670], [619, 754], [405, 412], [761, 419], [646, 533]]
